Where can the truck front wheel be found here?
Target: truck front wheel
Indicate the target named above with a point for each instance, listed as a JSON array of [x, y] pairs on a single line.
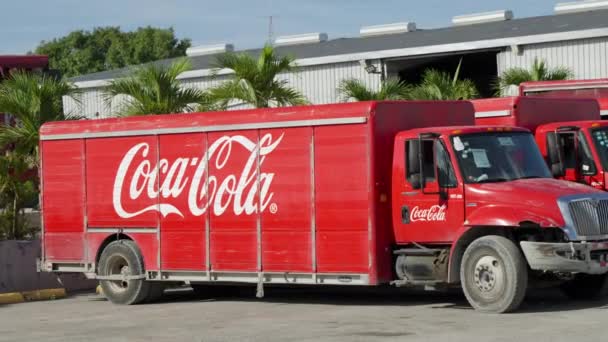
[[494, 274], [586, 286], [122, 258]]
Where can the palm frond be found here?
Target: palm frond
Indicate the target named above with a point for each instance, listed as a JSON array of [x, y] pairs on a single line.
[[539, 71], [438, 85], [394, 89], [353, 89], [254, 80], [154, 89], [282, 95]]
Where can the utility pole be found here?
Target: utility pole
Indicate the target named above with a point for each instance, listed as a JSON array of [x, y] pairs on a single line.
[[270, 30]]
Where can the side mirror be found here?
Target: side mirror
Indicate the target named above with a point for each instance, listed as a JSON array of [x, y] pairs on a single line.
[[554, 153]]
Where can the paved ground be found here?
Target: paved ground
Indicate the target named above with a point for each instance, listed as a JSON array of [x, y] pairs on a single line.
[[303, 315]]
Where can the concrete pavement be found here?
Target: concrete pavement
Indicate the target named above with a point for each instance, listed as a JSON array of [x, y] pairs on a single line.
[[303, 314]]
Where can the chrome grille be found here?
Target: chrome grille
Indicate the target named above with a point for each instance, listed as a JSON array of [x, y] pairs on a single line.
[[590, 217]]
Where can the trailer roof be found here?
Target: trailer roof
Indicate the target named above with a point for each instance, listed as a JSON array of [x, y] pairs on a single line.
[[511, 102], [455, 38], [317, 115], [564, 84]]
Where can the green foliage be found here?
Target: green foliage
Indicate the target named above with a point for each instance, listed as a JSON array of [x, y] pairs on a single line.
[[390, 89], [538, 72], [32, 99], [154, 89], [254, 80], [16, 192], [107, 48], [438, 85]]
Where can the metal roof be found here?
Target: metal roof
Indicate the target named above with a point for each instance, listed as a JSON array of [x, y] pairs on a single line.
[[532, 26]]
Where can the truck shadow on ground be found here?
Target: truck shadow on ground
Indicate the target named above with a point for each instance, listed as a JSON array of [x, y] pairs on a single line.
[[547, 300]]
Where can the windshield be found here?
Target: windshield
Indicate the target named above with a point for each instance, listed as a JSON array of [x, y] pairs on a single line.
[[499, 157], [600, 140]]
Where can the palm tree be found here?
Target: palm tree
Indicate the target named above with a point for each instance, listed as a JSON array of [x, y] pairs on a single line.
[[439, 85], [390, 89], [538, 72], [154, 89], [254, 81], [32, 99]]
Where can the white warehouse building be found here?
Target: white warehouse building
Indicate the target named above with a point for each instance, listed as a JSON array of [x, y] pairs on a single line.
[[575, 36]]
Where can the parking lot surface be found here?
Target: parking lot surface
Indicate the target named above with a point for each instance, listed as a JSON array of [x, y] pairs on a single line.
[[303, 314]]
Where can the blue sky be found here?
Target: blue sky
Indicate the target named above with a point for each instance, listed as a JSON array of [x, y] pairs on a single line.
[[25, 23]]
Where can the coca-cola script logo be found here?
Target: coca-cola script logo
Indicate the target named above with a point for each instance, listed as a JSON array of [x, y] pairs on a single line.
[[434, 213], [204, 191]]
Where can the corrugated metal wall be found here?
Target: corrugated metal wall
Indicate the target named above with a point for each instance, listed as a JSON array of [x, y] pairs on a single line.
[[318, 83], [585, 57]]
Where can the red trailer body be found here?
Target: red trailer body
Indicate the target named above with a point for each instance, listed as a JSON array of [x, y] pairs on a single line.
[[572, 119], [594, 88]]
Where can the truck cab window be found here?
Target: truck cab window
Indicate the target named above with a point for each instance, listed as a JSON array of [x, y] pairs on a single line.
[[411, 157], [437, 158], [566, 141], [572, 157], [447, 177]]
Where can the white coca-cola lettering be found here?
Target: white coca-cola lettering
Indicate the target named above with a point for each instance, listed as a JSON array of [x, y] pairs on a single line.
[[237, 191], [434, 213]]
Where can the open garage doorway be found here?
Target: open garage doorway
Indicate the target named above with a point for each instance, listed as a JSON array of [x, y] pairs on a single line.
[[480, 67]]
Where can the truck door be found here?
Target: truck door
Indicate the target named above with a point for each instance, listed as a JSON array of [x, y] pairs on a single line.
[[431, 201], [575, 154]]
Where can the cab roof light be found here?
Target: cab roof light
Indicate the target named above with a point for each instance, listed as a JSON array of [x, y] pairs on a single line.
[[568, 128], [429, 135], [595, 124]]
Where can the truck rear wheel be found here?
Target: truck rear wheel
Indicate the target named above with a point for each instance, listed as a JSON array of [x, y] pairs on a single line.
[[494, 274], [122, 258], [586, 286]]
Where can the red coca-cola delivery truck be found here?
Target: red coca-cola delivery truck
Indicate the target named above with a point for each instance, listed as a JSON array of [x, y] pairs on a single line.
[[594, 88], [369, 193], [568, 131]]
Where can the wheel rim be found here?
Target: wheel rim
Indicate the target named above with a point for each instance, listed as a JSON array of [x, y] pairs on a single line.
[[118, 265], [489, 277]]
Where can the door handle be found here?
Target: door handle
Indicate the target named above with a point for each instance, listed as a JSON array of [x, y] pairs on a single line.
[[410, 193], [405, 214]]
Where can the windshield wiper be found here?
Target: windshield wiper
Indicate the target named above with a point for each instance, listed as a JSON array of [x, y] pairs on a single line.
[[530, 177], [494, 180]]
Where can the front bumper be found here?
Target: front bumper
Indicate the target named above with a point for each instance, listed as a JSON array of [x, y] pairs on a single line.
[[567, 257]]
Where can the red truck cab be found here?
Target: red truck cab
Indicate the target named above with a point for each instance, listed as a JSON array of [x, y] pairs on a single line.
[[563, 129], [369, 193]]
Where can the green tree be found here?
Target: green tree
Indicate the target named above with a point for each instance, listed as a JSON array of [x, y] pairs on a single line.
[[32, 99], [155, 89], [106, 48], [538, 72], [254, 81], [16, 192], [439, 85], [390, 89]]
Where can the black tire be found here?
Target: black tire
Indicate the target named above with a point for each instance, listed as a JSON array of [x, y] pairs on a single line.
[[123, 256], [494, 274], [586, 286]]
